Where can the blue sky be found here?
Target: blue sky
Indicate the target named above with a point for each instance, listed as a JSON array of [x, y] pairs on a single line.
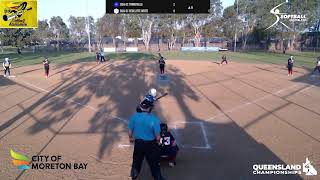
[[65, 8]]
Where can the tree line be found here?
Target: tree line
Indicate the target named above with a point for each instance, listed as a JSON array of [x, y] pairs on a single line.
[[243, 23]]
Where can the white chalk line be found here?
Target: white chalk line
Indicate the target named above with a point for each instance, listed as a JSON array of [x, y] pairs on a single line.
[[72, 101], [207, 146], [260, 99], [57, 95], [9, 76], [204, 133], [311, 86]]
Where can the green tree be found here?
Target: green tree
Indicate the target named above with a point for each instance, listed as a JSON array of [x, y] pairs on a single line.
[[132, 27], [78, 29], [41, 33], [197, 21], [16, 37], [229, 22], [247, 19], [169, 26], [109, 25], [58, 30]]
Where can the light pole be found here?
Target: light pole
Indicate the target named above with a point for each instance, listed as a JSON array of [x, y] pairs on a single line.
[[88, 29], [235, 34]]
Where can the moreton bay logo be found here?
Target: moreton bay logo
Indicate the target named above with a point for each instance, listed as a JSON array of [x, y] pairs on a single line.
[[44, 162], [19, 160], [285, 16]]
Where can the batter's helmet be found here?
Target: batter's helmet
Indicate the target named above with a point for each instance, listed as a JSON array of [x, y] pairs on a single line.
[[153, 92]]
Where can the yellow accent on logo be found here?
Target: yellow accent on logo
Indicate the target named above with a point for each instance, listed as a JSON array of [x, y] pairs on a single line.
[[18, 14]]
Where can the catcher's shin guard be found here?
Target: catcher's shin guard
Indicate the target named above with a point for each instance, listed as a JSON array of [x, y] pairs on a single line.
[[134, 173]]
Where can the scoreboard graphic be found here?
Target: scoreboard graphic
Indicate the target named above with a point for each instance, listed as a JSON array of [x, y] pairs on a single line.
[[157, 6]]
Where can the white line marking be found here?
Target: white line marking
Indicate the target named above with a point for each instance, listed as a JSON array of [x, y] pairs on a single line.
[[125, 145], [80, 104], [255, 101], [9, 76], [200, 123], [183, 122], [122, 119], [311, 86], [57, 95], [196, 147], [204, 132]]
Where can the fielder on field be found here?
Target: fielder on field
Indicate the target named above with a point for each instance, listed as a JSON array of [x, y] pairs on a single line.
[[162, 63], [317, 65], [224, 59], [102, 59], [98, 56], [290, 66], [6, 66], [46, 63]]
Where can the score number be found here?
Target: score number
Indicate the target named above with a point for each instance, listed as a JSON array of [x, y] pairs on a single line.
[[190, 7]]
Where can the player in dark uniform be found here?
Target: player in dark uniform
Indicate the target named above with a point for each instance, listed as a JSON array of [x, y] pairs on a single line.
[[46, 63], [6, 67], [317, 66], [290, 66], [224, 59], [168, 147], [144, 131], [98, 56], [161, 63]]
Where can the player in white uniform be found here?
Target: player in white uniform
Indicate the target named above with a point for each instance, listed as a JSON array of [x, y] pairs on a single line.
[[6, 66], [317, 66]]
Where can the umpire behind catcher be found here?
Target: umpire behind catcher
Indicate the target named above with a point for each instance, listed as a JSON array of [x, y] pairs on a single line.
[[144, 131]]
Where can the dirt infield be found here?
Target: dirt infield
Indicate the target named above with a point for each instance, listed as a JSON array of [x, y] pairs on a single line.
[[225, 118]]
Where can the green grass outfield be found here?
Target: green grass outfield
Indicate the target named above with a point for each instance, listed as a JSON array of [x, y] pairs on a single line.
[[306, 59]]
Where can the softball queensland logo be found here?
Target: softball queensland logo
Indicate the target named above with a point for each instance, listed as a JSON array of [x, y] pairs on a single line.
[[19, 160], [281, 169], [18, 14], [285, 16]]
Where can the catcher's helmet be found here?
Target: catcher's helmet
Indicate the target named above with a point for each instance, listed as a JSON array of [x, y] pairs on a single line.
[[163, 127], [144, 106]]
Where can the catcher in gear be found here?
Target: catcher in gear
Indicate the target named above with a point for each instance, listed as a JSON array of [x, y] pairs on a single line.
[[168, 147]]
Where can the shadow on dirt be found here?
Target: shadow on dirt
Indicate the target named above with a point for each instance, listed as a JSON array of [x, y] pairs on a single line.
[[117, 87]]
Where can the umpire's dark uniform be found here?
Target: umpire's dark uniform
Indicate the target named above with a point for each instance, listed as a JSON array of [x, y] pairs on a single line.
[[144, 130]]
